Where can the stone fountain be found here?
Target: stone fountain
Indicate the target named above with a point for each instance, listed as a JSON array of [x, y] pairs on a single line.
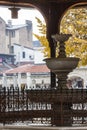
[[61, 65]]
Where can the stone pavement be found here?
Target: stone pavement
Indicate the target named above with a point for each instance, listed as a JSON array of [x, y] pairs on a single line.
[[40, 128]]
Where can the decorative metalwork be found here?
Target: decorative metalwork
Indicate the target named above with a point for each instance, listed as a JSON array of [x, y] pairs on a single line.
[[62, 107]]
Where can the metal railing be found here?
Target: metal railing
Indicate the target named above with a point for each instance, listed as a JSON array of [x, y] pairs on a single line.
[[63, 107]]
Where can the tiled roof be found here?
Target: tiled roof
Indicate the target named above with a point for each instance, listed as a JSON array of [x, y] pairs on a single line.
[[39, 69], [4, 67], [29, 68]]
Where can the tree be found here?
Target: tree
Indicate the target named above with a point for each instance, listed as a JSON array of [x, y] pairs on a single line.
[[42, 38], [74, 22]]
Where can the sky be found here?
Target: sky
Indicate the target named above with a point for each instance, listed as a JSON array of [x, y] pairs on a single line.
[[23, 14]]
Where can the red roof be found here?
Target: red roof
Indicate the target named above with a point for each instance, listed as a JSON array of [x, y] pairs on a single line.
[[29, 68]]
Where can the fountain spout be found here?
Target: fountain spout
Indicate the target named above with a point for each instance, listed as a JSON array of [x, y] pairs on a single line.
[[61, 38]]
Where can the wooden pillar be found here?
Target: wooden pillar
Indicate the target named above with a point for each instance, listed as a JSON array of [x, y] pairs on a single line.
[[55, 12]]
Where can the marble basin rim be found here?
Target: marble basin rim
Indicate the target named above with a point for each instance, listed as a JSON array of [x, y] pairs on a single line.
[[62, 64]]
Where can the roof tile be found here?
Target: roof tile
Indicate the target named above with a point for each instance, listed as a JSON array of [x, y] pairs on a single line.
[[29, 68]]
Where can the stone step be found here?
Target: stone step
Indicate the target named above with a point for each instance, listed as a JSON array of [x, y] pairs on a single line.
[[41, 128]]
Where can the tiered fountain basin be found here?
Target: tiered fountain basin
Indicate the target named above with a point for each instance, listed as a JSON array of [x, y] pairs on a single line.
[[62, 64]]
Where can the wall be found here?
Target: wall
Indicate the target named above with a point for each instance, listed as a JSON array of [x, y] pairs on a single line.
[[2, 36], [29, 54]]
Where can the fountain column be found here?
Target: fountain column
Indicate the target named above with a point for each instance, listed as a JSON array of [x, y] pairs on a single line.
[[61, 66]]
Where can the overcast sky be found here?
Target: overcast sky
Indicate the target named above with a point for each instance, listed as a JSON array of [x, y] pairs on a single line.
[[23, 14]]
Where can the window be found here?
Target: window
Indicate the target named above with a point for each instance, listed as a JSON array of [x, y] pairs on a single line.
[[23, 75], [23, 54], [31, 57]]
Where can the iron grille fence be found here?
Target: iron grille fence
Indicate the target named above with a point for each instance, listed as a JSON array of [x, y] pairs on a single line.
[[63, 107]]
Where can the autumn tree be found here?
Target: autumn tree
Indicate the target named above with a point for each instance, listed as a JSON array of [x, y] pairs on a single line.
[[74, 22], [42, 37]]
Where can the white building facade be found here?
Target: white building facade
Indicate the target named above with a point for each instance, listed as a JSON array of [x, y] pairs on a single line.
[[23, 54]]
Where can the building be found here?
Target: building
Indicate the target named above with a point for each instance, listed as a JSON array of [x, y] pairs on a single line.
[[20, 57], [19, 34], [26, 76], [16, 40], [3, 46], [38, 53], [23, 54]]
